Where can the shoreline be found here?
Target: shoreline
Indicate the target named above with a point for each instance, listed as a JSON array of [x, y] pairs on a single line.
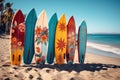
[[104, 47]]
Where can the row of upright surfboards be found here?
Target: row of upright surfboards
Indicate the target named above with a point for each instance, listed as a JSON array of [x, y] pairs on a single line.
[[35, 37]]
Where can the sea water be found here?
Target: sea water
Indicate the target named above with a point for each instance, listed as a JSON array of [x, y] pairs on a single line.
[[104, 44], [108, 39]]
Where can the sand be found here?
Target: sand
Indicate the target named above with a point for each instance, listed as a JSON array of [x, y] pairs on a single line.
[[96, 67]]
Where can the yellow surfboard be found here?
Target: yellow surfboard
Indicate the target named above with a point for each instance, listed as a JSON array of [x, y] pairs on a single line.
[[60, 40]]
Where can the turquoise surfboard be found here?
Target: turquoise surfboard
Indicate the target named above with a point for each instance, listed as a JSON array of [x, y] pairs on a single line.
[[52, 28], [29, 37], [82, 40]]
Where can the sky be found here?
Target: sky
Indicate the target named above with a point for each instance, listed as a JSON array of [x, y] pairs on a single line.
[[101, 16]]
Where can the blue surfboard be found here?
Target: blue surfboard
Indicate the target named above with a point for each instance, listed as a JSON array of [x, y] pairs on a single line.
[[52, 28], [29, 37], [82, 40]]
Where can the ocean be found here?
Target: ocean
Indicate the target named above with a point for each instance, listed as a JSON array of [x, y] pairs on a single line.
[[104, 44], [108, 39]]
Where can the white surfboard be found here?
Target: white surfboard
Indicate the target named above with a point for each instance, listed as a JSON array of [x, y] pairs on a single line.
[[41, 38]]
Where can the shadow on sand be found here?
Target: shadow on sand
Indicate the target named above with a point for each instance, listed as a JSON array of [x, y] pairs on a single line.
[[76, 67]]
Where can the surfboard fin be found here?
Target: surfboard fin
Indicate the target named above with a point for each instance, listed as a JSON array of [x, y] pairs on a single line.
[[28, 55], [13, 57], [64, 56], [50, 55], [19, 58], [67, 56]]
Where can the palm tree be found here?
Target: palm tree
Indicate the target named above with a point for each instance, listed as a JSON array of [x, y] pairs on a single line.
[[6, 14], [1, 15], [1, 6]]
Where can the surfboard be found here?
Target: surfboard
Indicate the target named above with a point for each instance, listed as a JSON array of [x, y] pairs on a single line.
[[71, 40], [17, 38], [61, 40], [82, 40], [41, 38], [51, 47], [29, 37]]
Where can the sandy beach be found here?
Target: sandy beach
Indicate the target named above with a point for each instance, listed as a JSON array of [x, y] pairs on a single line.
[[96, 67]]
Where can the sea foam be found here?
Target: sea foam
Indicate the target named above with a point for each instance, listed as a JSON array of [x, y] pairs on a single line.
[[104, 47]]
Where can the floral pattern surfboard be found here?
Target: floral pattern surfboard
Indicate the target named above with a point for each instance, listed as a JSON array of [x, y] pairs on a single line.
[[17, 38], [41, 38]]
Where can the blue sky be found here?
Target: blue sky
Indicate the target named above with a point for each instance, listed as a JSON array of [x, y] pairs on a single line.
[[101, 16]]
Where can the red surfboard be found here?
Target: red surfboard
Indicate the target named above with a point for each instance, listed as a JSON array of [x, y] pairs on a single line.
[[71, 40], [17, 38]]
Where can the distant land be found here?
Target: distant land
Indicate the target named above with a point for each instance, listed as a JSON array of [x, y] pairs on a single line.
[[102, 33]]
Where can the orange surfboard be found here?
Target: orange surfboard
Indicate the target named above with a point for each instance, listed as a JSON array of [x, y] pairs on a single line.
[[61, 40], [71, 40], [17, 38]]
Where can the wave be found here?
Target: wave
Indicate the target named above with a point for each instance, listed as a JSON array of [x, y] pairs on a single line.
[[104, 47]]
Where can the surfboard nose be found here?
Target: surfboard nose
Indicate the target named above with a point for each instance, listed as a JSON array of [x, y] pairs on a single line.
[[55, 14], [33, 9]]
